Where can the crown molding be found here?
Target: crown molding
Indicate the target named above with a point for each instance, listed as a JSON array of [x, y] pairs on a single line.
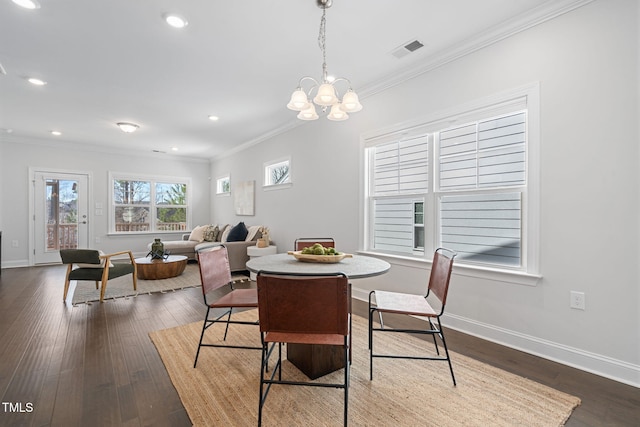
[[543, 13]]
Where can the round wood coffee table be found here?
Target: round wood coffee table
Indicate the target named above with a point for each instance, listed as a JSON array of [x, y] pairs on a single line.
[[154, 269]]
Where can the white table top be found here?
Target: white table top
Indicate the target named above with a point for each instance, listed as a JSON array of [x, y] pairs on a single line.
[[359, 266]]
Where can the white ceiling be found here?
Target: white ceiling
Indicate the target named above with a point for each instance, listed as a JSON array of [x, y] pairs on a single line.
[[117, 60]]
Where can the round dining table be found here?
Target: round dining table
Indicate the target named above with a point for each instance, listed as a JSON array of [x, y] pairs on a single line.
[[316, 360], [355, 267]]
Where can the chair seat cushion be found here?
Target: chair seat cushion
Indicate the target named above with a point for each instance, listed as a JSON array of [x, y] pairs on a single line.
[[96, 273], [396, 302], [237, 298]]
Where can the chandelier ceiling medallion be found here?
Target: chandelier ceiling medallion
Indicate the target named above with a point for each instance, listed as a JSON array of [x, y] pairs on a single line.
[[326, 94]]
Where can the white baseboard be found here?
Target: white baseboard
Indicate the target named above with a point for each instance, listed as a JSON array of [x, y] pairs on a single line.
[[594, 363], [16, 263]]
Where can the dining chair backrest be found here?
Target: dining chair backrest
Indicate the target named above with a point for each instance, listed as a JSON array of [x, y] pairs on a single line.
[[214, 269], [440, 276], [305, 242], [304, 304]]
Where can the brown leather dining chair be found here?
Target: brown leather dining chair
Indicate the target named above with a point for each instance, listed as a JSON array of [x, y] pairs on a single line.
[[416, 305], [303, 309], [305, 242], [219, 294]]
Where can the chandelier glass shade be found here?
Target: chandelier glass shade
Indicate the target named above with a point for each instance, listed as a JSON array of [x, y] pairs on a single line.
[[326, 92]]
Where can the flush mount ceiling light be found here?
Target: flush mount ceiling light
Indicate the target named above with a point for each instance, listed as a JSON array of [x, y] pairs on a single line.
[[27, 4], [127, 127], [56, 133], [176, 21], [214, 118], [326, 92], [35, 81]]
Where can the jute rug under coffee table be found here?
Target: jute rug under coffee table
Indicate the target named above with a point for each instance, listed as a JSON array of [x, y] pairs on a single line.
[[223, 389]]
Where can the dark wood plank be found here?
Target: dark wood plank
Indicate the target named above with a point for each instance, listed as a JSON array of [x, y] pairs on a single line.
[[95, 364]]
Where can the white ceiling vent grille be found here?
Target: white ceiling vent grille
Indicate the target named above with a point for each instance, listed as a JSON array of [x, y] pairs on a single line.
[[407, 48]]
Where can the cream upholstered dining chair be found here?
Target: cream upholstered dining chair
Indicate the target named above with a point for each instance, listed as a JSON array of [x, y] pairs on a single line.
[[215, 278], [303, 309], [92, 265], [416, 305]]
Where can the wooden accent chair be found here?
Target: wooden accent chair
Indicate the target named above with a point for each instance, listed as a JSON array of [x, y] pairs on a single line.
[[305, 242], [416, 305], [92, 265], [215, 276], [303, 309]]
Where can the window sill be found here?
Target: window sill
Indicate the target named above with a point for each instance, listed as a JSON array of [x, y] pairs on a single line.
[[508, 276], [277, 186], [137, 233]]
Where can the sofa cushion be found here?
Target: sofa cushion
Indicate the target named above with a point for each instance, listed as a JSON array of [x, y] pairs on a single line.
[[197, 234], [211, 233], [237, 233]]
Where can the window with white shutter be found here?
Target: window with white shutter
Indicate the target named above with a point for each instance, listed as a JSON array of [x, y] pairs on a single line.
[[464, 186], [400, 178], [483, 163]]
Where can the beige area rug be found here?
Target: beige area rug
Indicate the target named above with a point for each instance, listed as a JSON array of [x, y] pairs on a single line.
[[224, 388], [85, 292]]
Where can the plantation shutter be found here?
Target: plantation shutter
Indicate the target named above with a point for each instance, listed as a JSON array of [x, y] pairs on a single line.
[[483, 228], [400, 168], [486, 154]]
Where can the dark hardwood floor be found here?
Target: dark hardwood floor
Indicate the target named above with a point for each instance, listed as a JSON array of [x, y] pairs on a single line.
[[95, 364]]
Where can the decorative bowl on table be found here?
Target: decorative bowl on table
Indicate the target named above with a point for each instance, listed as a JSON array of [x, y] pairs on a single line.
[[319, 258]]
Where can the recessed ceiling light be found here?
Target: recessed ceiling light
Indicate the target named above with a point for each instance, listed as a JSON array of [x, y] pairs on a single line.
[[176, 21], [214, 118], [127, 127], [174, 148], [56, 132], [27, 4], [36, 82]]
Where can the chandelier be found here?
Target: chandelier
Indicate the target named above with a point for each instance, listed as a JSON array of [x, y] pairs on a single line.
[[326, 94]]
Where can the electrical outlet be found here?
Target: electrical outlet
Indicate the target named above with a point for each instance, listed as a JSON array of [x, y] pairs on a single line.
[[577, 300]]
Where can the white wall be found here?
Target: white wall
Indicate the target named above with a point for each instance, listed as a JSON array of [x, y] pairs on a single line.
[[16, 159], [586, 64]]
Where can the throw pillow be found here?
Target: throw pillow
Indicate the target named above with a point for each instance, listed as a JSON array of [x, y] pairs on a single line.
[[197, 234], [254, 233], [224, 233], [238, 233], [211, 233]]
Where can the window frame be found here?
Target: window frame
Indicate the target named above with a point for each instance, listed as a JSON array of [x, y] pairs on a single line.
[[153, 206], [270, 166], [495, 105], [219, 190]]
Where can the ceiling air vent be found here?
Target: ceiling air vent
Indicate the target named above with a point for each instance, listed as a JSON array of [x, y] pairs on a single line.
[[407, 48]]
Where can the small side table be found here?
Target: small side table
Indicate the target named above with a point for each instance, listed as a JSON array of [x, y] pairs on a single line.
[[255, 252]]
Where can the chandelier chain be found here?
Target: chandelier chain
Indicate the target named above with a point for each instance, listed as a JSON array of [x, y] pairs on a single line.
[[322, 43]]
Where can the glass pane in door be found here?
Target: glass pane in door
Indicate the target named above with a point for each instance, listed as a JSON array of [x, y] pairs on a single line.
[[61, 214]]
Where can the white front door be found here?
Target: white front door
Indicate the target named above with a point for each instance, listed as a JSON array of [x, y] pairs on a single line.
[[61, 208]]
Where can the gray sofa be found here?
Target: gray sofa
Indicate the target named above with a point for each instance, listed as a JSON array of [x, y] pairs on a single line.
[[189, 246]]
